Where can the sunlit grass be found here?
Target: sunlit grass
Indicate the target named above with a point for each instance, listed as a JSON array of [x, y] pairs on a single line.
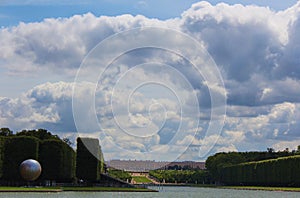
[[141, 179]]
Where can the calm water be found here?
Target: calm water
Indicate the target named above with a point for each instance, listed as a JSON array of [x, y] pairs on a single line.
[[166, 192]]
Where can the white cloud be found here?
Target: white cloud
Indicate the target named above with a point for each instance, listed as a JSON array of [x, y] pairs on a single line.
[[256, 49]]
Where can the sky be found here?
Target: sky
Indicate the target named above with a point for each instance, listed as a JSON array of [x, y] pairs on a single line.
[[163, 80]]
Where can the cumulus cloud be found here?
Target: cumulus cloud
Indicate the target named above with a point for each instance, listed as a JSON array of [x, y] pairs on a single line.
[[256, 50]]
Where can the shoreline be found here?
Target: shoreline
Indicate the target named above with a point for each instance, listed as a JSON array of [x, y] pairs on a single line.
[[8, 189], [262, 188]]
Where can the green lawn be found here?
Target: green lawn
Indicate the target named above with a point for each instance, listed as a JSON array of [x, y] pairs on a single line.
[[294, 189], [141, 179], [60, 189], [29, 189], [107, 189]]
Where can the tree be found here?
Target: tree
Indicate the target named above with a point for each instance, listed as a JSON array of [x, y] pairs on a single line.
[[41, 134], [217, 162], [270, 150], [5, 132]]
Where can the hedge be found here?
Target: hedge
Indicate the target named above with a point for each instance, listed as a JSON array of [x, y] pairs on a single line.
[[284, 171], [89, 158], [57, 160], [18, 149], [2, 146]]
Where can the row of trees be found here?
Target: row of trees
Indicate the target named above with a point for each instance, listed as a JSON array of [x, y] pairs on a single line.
[[217, 162], [58, 159], [181, 176], [283, 171]]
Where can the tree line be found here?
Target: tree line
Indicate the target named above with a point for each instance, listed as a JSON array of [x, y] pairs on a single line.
[[181, 176], [268, 168], [284, 171], [59, 161]]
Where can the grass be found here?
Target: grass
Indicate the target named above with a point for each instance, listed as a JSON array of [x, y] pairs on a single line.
[[290, 189], [29, 189], [266, 188], [141, 179], [107, 189], [80, 189]]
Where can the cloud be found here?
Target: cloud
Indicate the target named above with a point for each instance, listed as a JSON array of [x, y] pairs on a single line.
[[59, 45], [255, 48]]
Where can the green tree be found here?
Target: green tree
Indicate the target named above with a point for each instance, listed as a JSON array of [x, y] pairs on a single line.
[[41, 134], [218, 161], [5, 132]]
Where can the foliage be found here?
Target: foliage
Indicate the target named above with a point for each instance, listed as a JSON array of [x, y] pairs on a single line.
[[5, 132], [2, 146], [57, 160], [17, 149], [120, 174], [88, 159], [56, 157], [41, 134], [180, 176], [284, 171], [217, 162]]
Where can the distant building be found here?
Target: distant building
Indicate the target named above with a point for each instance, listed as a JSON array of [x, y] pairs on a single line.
[[145, 166]]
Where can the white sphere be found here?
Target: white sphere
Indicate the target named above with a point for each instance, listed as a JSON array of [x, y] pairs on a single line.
[[30, 169]]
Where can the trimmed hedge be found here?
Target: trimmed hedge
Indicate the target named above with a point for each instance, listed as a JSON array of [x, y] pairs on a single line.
[[17, 149], [2, 146], [89, 158], [283, 171], [57, 160]]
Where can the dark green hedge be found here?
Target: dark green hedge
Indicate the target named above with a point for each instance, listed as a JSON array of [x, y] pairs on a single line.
[[88, 165], [57, 160], [283, 171], [2, 146], [18, 149]]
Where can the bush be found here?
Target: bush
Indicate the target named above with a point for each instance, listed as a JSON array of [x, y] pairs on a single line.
[[18, 149], [57, 160]]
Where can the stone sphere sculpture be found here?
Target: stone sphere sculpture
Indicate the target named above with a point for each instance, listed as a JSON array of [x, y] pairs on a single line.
[[30, 169]]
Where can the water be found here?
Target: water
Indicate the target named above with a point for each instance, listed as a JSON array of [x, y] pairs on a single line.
[[165, 192]]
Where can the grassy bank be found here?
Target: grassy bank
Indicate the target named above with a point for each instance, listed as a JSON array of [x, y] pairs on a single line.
[[74, 189], [288, 189], [266, 188], [141, 179], [107, 189], [29, 189]]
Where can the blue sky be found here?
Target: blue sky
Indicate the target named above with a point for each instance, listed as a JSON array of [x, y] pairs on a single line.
[[255, 71], [13, 12]]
